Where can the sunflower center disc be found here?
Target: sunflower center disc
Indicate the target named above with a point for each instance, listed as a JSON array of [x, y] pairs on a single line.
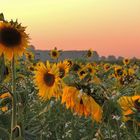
[[82, 73], [89, 54], [62, 72], [137, 105], [54, 53], [10, 37], [76, 67], [81, 102], [119, 72], [49, 79]]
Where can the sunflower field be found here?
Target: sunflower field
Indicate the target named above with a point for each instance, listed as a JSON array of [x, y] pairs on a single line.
[[64, 100]]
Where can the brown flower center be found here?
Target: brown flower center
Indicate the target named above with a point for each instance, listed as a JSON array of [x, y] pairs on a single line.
[[89, 53], [76, 67], [137, 104], [81, 102], [54, 53], [119, 72], [62, 72], [6, 71], [49, 79], [82, 72], [89, 70], [69, 63], [10, 37]]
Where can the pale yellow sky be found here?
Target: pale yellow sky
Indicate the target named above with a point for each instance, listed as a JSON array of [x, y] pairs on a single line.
[[104, 25]]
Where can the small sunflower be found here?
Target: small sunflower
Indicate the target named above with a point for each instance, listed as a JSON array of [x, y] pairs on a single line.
[[68, 62], [119, 72], [13, 39], [48, 81], [75, 67], [29, 56], [90, 69], [2, 96], [81, 103], [82, 73], [126, 61], [54, 53], [5, 95], [106, 67], [89, 53], [31, 68], [63, 69]]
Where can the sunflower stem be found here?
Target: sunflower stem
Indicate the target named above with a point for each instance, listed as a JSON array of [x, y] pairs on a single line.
[[13, 119]]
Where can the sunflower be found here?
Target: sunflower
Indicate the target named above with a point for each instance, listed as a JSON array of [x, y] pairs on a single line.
[[119, 72], [81, 103], [90, 69], [129, 105], [89, 53], [3, 96], [63, 69], [54, 53], [68, 62], [76, 67], [13, 39], [48, 81], [126, 61], [82, 73], [106, 67], [29, 56], [31, 68]]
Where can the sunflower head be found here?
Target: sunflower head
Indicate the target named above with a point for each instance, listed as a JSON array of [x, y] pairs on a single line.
[[106, 67], [48, 81], [3, 96], [13, 39], [63, 69], [76, 67], [119, 72], [29, 56], [54, 53], [126, 61], [90, 69], [68, 62], [82, 73], [89, 53]]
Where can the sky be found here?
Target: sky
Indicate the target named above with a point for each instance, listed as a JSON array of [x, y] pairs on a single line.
[[110, 27]]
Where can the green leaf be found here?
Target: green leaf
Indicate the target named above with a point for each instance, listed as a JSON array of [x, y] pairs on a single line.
[[19, 138]]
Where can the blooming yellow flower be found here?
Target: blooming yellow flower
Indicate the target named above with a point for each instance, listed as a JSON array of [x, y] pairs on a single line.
[[48, 81], [13, 39]]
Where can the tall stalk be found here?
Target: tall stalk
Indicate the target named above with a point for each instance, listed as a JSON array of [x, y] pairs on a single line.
[[14, 100]]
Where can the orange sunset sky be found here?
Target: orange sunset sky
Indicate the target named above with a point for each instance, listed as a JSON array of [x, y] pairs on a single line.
[[107, 26]]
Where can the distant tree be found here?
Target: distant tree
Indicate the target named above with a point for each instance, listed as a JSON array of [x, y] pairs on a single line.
[[103, 58], [111, 58], [95, 56], [120, 58]]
